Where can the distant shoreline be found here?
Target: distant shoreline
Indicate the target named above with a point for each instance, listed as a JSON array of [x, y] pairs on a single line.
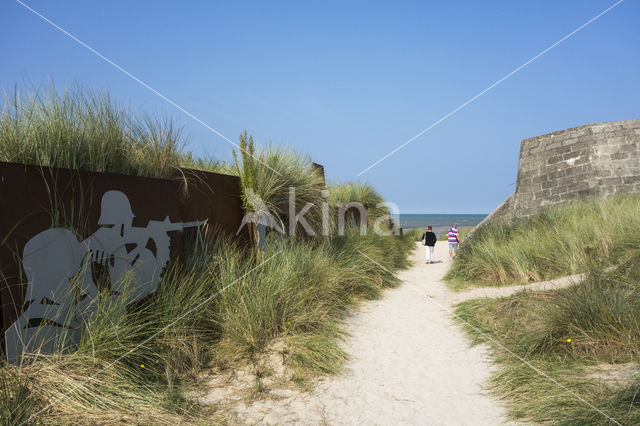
[[438, 230], [439, 222]]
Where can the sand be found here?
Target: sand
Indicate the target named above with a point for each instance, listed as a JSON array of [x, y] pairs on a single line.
[[410, 364], [493, 292]]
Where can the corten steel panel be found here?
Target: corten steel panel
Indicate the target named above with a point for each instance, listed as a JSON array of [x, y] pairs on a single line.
[[34, 199], [320, 169], [214, 196]]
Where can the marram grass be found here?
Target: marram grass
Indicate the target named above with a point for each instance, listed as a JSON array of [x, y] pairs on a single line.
[[82, 130], [568, 332], [358, 192], [560, 241], [564, 333], [272, 176]]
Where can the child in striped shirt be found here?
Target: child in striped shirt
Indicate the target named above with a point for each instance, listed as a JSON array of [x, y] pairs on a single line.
[[452, 238]]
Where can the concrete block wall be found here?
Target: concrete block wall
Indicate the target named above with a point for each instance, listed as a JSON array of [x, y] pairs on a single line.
[[599, 159]]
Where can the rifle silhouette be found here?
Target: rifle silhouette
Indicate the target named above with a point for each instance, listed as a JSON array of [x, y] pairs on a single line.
[[139, 236]]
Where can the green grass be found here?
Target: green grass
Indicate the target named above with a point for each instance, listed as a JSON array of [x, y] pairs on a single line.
[[358, 192], [81, 130], [188, 161], [414, 234], [84, 130], [270, 177], [562, 240], [600, 315]]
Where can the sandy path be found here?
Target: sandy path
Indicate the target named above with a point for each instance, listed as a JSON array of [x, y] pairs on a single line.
[[477, 293], [410, 364]]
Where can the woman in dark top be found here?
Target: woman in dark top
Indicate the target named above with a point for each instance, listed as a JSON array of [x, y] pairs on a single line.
[[429, 241]]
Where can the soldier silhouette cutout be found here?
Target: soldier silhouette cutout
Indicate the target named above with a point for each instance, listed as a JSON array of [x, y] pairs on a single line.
[[65, 276]]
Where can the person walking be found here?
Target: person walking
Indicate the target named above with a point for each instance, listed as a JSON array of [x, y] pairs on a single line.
[[453, 239], [429, 242]]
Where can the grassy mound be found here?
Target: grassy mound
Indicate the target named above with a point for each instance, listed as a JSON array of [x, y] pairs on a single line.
[[568, 356], [565, 335], [562, 240], [83, 130], [359, 192], [273, 176]]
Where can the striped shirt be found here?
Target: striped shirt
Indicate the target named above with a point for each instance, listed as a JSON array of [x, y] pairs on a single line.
[[452, 235]]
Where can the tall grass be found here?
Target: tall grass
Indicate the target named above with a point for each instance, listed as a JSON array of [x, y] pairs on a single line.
[[210, 164], [304, 289], [83, 130], [358, 192], [270, 177], [560, 241], [15, 399], [602, 314], [563, 333]]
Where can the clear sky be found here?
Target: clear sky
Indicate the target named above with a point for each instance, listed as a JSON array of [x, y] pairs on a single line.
[[348, 82]]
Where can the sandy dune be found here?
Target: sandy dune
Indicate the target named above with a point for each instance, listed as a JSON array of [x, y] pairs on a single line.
[[410, 364]]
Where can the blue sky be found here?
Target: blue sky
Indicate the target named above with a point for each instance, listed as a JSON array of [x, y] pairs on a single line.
[[347, 82]]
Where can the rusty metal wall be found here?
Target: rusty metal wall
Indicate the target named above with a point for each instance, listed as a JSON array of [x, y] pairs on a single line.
[[320, 169], [34, 199]]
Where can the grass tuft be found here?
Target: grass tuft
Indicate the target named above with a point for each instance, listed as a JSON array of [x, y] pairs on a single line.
[[83, 130]]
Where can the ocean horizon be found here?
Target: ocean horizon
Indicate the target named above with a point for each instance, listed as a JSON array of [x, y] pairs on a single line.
[[408, 221]]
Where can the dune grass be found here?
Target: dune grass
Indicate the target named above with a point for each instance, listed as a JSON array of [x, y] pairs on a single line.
[[568, 333], [562, 240], [414, 234], [358, 192], [272, 176], [82, 130], [598, 316]]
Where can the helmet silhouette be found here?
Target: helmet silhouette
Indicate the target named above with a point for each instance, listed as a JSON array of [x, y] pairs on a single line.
[[115, 209]]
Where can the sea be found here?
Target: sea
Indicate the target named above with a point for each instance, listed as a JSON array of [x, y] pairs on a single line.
[[440, 222]]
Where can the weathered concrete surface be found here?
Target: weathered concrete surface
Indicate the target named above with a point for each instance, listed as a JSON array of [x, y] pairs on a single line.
[[599, 159]]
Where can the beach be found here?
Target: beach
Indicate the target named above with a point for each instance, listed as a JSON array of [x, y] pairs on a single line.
[[440, 222]]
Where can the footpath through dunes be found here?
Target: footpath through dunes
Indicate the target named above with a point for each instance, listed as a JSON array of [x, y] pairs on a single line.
[[410, 363]]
